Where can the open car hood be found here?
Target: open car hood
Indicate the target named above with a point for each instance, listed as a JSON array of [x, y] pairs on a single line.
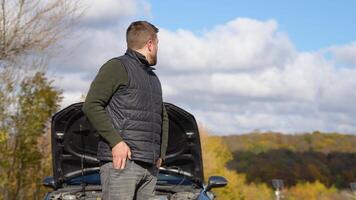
[[74, 144]]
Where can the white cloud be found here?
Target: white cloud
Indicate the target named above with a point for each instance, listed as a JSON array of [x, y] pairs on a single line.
[[74, 86], [345, 54], [89, 48], [108, 11], [71, 97], [239, 44], [105, 9], [237, 77], [71, 81], [251, 65]]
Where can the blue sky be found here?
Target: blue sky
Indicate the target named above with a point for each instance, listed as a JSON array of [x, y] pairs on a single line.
[[311, 25], [237, 66]]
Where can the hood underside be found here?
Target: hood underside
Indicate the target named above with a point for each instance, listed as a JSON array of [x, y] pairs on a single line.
[[74, 144]]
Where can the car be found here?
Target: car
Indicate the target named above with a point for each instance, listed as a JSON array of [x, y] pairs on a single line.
[[76, 169]]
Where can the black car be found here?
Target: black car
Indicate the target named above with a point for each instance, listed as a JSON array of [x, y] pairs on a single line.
[[76, 169]]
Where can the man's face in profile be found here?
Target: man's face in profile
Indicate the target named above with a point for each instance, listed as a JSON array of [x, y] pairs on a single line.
[[153, 50]]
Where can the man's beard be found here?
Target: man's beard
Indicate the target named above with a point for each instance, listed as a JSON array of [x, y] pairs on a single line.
[[153, 60]]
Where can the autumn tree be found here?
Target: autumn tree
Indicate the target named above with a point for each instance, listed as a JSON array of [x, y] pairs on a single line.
[[29, 31], [31, 27], [311, 191], [22, 168], [215, 157]]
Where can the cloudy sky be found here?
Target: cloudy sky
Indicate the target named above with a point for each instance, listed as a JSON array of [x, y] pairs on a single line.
[[238, 66]]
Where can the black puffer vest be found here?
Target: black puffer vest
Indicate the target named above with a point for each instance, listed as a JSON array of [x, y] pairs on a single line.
[[136, 111]]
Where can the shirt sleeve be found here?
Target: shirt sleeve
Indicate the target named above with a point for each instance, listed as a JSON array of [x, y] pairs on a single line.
[[165, 132], [110, 77]]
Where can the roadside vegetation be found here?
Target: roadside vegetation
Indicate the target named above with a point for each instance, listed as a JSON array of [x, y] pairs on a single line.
[[313, 166]]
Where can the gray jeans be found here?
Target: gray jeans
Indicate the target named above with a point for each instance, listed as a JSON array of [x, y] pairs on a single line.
[[134, 182]]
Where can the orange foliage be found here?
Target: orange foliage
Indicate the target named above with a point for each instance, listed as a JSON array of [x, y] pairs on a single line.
[[215, 157]]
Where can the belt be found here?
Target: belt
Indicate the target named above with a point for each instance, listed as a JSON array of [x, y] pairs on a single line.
[[144, 164], [139, 162]]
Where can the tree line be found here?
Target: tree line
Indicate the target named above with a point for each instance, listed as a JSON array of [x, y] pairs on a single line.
[[329, 158]]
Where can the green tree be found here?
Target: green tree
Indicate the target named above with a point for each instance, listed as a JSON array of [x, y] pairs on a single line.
[[22, 165], [29, 29]]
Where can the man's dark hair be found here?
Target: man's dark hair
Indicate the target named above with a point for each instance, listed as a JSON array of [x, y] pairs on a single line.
[[138, 33]]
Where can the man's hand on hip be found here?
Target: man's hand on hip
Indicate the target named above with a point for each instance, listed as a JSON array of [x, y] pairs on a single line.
[[120, 152], [159, 162]]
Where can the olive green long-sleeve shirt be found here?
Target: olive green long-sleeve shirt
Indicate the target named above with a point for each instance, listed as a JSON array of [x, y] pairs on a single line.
[[110, 77]]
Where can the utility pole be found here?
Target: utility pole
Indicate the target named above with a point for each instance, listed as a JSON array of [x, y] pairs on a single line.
[[278, 186], [353, 188]]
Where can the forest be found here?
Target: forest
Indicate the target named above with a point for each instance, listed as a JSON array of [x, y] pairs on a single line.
[[313, 165], [327, 157]]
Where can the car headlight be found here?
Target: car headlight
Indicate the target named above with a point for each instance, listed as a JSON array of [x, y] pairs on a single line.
[[69, 197]]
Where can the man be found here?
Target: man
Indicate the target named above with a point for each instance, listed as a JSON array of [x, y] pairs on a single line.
[[124, 104]]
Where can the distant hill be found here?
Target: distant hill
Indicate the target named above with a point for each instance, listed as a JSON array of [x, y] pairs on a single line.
[[327, 157], [317, 141]]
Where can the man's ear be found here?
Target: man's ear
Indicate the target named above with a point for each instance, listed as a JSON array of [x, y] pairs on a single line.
[[150, 45]]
